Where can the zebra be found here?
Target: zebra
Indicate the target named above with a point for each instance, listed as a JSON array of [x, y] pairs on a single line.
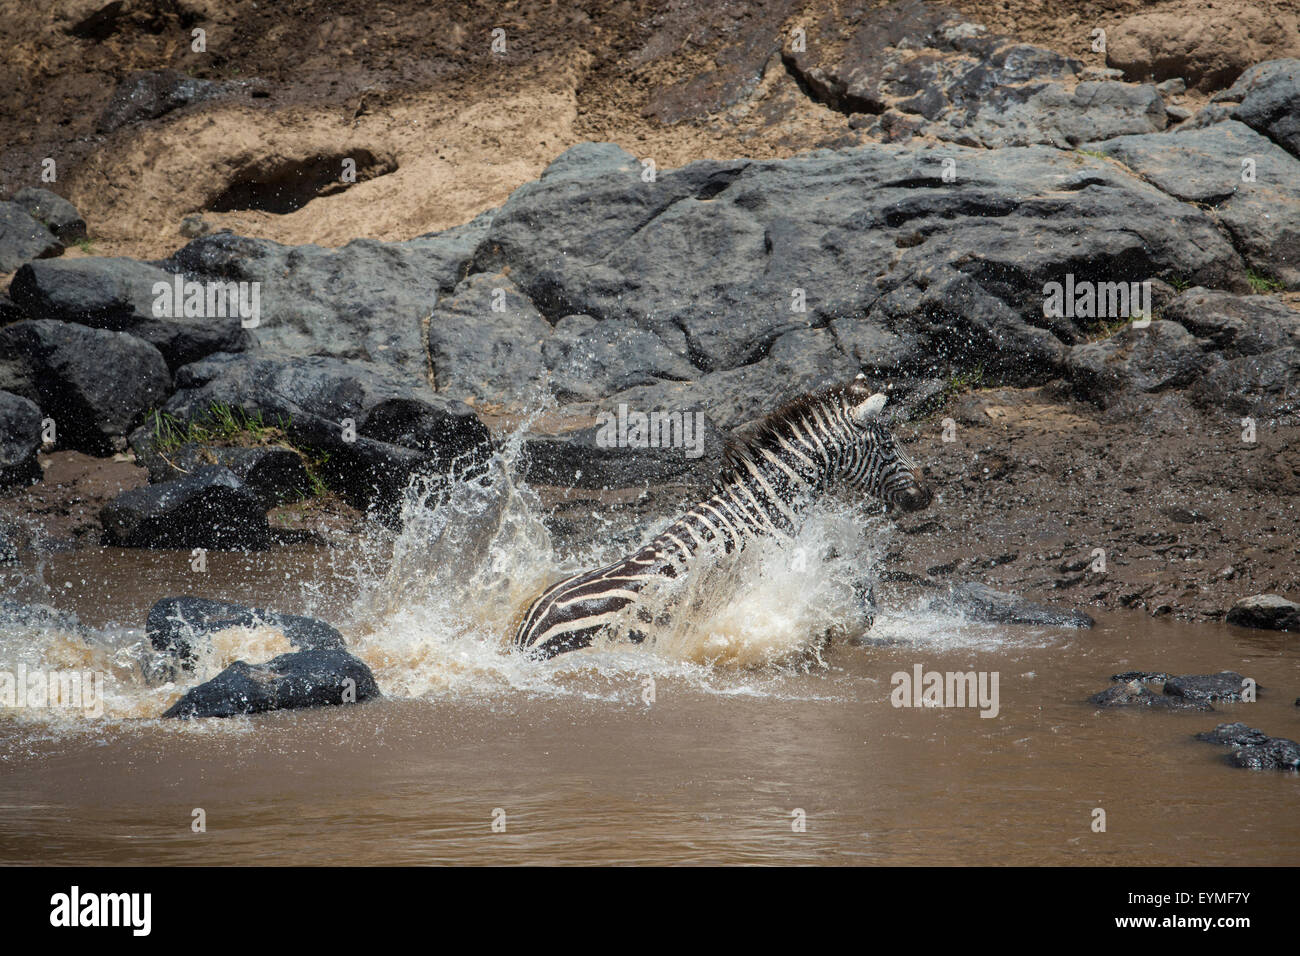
[[805, 448]]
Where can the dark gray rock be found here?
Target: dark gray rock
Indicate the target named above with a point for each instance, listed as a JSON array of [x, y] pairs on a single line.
[[1205, 166], [1226, 685], [1162, 356], [1056, 114], [94, 383], [980, 602], [1261, 386], [20, 439], [175, 624], [22, 238], [150, 94], [1268, 96], [295, 386], [1278, 754], [1134, 693], [118, 294], [210, 508], [485, 343], [52, 211], [1253, 749], [1269, 611], [275, 473], [311, 678], [588, 360]]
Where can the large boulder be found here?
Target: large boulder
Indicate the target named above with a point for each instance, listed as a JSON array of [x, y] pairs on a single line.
[[309, 678], [22, 238], [1208, 53], [118, 294], [20, 439], [94, 383], [210, 508]]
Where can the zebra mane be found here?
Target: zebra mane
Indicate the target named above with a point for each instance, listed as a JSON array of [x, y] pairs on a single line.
[[766, 433]]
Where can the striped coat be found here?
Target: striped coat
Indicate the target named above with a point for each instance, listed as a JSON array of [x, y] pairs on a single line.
[[833, 438]]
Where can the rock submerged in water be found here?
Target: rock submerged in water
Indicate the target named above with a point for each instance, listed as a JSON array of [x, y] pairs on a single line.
[[983, 603], [210, 508], [320, 673], [1134, 693], [175, 623], [310, 678], [1253, 749], [1268, 611]]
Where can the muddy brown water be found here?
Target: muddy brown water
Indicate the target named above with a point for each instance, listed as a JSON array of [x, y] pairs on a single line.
[[713, 771]]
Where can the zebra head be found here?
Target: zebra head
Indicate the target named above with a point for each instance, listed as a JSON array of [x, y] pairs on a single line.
[[875, 461]]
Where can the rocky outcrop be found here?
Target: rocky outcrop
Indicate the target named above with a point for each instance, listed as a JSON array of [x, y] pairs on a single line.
[[1251, 183], [1268, 100], [372, 426]]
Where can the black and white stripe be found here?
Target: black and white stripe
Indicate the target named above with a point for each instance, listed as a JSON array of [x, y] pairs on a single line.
[[835, 438]]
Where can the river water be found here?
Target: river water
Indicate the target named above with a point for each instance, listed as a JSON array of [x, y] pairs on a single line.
[[733, 738]]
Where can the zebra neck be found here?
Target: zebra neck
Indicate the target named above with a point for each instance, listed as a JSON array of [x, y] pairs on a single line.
[[738, 510]]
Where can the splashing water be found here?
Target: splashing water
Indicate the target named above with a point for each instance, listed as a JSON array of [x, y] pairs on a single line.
[[435, 605]]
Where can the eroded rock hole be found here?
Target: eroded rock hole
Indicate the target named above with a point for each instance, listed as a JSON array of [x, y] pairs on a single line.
[[288, 185]]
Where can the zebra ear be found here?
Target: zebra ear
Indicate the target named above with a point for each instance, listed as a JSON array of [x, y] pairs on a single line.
[[870, 409]]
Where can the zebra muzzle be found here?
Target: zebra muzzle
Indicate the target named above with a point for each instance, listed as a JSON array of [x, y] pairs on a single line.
[[915, 498]]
